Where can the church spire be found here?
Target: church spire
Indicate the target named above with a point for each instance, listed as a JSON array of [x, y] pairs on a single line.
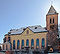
[[51, 11]]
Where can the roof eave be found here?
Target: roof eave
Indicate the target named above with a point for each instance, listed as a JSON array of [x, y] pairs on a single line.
[[51, 14]]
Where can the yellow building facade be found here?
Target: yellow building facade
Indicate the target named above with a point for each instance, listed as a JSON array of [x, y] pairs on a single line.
[[34, 37]]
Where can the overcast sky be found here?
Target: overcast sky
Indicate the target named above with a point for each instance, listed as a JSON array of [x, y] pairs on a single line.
[[15, 14]]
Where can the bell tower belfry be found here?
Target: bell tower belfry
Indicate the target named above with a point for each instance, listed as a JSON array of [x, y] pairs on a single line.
[[52, 26], [52, 19]]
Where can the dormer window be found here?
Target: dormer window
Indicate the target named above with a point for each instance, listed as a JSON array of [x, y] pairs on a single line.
[[35, 27], [9, 32], [24, 29], [27, 31], [16, 29]]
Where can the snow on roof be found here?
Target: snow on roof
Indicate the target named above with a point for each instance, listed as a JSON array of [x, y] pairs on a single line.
[[17, 31], [35, 29]]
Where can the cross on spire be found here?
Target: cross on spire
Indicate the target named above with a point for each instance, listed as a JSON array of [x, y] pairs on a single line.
[[51, 1]]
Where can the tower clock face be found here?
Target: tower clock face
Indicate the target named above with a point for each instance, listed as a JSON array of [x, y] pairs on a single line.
[[52, 27]]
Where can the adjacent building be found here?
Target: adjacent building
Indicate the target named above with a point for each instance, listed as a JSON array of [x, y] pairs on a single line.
[[59, 37]]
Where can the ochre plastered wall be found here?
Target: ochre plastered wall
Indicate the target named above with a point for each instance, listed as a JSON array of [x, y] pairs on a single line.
[[24, 36]]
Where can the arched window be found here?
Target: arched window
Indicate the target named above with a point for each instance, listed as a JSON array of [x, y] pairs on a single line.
[[43, 42], [18, 44], [27, 42], [53, 20], [22, 43], [13, 44], [32, 42], [50, 20], [37, 42]]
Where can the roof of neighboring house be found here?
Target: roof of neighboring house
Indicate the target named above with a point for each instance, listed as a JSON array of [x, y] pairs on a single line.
[[34, 29], [51, 11], [59, 27]]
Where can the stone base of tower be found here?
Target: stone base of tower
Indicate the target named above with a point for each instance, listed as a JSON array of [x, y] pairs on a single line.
[[52, 39]]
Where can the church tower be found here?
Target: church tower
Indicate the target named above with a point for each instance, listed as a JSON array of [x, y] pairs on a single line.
[[52, 19], [52, 26]]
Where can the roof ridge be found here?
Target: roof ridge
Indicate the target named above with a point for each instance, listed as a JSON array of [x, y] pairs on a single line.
[[25, 27]]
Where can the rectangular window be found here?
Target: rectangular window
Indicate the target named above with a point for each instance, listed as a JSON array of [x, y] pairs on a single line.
[[27, 31]]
